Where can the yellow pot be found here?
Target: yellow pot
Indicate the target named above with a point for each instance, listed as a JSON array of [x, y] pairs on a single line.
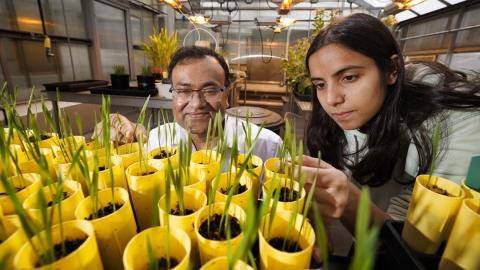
[[119, 179], [30, 166], [16, 238], [221, 263], [463, 244], [174, 159], [142, 191], [47, 143], [84, 257], [75, 195], [63, 169], [129, 153], [470, 192], [100, 151], [114, 231], [205, 165], [15, 137], [279, 182], [271, 167], [31, 183], [431, 215], [20, 156], [193, 199], [253, 174], [272, 258], [71, 143], [210, 249], [136, 252], [226, 180]]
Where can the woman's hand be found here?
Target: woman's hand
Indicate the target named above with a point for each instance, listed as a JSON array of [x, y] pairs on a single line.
[[331, 189], [121, 130]]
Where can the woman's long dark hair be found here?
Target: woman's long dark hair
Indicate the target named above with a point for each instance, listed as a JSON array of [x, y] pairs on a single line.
[[407, 104]]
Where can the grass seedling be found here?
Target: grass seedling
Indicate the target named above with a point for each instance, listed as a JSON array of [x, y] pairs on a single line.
[[321, 236], [436, 139], [119, 70], [365, 235]]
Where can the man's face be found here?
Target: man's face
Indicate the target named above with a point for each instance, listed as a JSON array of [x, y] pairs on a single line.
[[193, 113]]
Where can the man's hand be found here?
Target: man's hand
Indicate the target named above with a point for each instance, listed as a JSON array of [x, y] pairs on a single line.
[[121, 130]]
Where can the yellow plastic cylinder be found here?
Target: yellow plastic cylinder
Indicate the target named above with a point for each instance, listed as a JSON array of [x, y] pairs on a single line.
[[119, 179], [129, 153], [136, 252], [114, 231], [48, 143], [14, 241], [463, 244], [63, 168], [30, 166], [225, 181], [470, 192], [272, 258], [204, 164], [279, 182], [210, 249], [142, 191], [174, 158], [431, 215], [69, 144], [30, 182], [254, 174], [84, 257], [75, 195], [193, 199], [221, 263], [99, 150], [272, 167]]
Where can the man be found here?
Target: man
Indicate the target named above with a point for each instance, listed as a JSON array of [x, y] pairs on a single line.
[[200, 85]]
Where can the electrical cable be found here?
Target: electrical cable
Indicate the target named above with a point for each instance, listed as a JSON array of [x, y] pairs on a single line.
[[68, 40], [270, 7], [271, 44]]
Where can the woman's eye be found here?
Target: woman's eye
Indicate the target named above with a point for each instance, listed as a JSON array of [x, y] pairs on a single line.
[[319, 86], [350, 78]]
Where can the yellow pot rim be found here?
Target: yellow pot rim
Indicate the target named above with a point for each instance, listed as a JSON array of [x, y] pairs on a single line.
[[118, 190]]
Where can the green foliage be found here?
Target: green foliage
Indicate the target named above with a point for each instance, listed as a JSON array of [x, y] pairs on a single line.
[[321, 236], [147, 70], [365, 236], [161, 48], [119, 70], [436, 139], [294, 66]]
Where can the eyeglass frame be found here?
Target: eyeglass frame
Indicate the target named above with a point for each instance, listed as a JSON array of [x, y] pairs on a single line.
[[222, 89]]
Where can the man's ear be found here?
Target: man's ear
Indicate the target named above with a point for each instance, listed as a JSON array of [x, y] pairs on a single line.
[[392, 76]]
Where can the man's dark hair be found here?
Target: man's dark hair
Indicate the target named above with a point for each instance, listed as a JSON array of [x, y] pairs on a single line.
[[194, 52]]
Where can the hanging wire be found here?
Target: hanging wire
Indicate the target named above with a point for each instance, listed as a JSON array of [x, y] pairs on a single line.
[[68, 40], [271, 44], [268, 4]]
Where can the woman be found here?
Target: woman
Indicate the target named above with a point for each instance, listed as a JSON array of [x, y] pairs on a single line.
[[373, 119]]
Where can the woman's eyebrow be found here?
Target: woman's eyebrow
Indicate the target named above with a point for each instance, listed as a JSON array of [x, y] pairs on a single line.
[[340, 71]]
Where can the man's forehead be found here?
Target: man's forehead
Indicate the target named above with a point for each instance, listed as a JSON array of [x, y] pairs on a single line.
[[210, 71]]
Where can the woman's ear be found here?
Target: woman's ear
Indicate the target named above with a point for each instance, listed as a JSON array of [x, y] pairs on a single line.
[[392, 76]]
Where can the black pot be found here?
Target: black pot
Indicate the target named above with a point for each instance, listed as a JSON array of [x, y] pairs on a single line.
[[305, 96], [145, 82], [120, 81]]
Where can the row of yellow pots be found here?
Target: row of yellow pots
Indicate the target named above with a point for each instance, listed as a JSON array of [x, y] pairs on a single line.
[[434, 218]]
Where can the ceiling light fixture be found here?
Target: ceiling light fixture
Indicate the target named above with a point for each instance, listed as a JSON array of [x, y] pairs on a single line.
[[286, 22], [199, 19]]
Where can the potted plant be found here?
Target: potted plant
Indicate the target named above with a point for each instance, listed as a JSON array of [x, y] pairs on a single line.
[[145, 80], [120, 78], [433, 206], [161, 48], [25, 185], [297, 77]]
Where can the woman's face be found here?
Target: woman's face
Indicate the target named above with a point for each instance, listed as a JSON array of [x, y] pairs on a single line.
[[349, 85]]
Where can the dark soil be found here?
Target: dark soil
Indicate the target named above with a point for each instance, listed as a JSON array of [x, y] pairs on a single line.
[[70, 246], [42, 137], [290, 246], [286, 195], [241, 188], [101, 168], [250, 166], [52, 202], [105, 211], [176, 211], [17, 188], [439, 190], [147, 173], [164, 154], [217, 233], [162, 263]]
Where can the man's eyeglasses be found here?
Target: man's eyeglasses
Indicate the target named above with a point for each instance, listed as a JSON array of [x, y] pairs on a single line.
[[186, 94]]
